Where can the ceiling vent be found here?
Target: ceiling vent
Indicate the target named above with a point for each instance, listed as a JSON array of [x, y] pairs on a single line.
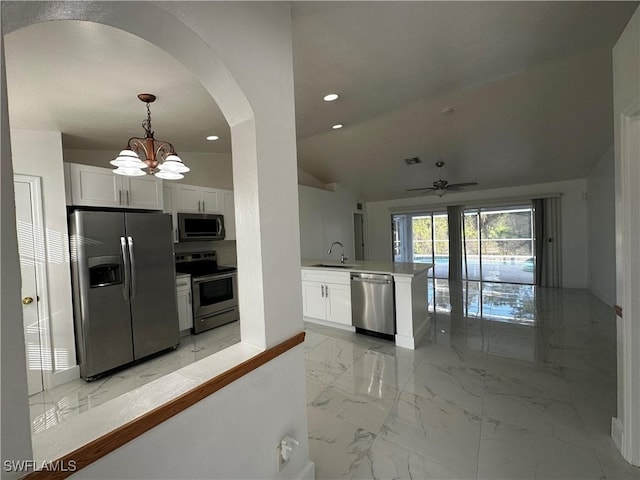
[[412, 160]]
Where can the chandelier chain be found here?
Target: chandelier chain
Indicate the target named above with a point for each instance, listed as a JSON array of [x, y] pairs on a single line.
[[146, 124]]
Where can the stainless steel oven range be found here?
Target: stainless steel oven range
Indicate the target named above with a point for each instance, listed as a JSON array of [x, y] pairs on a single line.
[[214, 289]]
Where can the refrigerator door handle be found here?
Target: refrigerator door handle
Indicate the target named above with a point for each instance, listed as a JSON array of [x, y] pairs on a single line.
[[132, 261], [125, 261]]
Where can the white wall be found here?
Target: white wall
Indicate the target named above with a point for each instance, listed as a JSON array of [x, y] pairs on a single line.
[[242, 54], [325, 217], [228, 435], [40, 154], [207, 169], [601, 228], [305, 178], [626, 92], [574, 220], [16, 432]]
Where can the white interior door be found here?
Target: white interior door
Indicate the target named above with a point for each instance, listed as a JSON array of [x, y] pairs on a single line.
[[28, 259]]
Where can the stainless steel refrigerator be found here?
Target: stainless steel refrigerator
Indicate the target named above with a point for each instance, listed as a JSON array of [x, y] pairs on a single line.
[[124, 290]]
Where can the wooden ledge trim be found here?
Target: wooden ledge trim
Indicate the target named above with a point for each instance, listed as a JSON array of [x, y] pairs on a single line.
[[98, 448], [618, 310]]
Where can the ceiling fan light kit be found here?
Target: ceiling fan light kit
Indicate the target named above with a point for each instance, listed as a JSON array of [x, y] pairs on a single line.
[[160, 158]]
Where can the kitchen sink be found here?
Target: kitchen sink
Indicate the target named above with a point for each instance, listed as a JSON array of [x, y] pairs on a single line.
[[333, 265]]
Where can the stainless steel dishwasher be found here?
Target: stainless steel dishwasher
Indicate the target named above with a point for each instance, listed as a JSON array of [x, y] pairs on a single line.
[[372, 304]]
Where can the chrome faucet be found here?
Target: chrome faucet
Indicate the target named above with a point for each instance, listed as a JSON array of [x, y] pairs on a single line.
[[342, 257]]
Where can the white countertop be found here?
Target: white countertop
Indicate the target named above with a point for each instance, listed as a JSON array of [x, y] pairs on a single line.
[[370, 266]]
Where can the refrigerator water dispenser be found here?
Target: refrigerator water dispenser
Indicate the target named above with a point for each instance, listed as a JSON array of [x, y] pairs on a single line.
[[104, 271]]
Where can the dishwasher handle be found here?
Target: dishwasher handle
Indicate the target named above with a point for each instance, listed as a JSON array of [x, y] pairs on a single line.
[[378, 279]]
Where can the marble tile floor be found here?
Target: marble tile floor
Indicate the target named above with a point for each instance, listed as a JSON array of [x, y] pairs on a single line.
[[51, 407], [513, 382]]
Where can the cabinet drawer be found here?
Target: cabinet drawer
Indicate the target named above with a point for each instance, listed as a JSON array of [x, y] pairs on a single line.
[[338, 278]]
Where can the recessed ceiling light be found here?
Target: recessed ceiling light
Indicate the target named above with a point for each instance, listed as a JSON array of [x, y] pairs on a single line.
[[213, 137], [447, 111], [331, 97], [337, 126]]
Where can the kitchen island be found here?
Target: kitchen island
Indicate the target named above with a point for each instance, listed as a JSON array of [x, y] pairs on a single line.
[[326, 295]]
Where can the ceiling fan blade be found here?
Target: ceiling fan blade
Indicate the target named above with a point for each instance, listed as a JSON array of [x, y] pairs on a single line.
[[460, 185], [416, 189]]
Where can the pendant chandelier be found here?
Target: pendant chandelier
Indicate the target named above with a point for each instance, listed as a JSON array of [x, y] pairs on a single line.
[[159, 157]]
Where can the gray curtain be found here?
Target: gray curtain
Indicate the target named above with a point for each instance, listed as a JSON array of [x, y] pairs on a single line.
[[546, 222], [454, 216]]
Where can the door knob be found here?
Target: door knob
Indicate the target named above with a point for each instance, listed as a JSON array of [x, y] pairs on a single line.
[[27, 300]]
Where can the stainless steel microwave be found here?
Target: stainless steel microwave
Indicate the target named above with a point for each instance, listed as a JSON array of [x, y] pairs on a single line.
[[200, 226]]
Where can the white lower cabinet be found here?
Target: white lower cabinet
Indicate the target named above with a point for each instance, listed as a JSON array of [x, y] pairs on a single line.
[[185, 309], [327, 296]]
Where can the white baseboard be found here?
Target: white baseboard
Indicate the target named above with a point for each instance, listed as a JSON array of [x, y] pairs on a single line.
[[422, 330], [309, 472], [617, 432], [411, 342], [329, 324], [405, 342], [582, 285], [62, 376], [601, 295]]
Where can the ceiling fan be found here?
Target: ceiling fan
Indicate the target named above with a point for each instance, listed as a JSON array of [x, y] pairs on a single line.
[[440, 186]]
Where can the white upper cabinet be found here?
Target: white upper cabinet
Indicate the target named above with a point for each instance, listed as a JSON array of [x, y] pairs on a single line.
[[100, 187], [188, 198], [212, 201], [95, 187], [143, 192], [193, 199]]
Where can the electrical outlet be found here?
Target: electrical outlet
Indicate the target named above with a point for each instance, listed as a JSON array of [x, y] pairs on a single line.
[[284, 450], [281, 461]]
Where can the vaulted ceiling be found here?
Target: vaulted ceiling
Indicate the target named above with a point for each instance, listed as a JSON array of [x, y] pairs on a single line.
[[530, 84]]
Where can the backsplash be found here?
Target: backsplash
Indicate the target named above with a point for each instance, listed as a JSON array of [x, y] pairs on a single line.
[[226, 250]]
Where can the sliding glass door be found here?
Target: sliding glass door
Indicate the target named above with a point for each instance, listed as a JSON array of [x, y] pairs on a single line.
[[422, 238], [499, 245]]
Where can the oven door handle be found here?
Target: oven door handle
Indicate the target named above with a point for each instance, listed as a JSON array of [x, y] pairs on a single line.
[[227, 310], [213, 277]]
